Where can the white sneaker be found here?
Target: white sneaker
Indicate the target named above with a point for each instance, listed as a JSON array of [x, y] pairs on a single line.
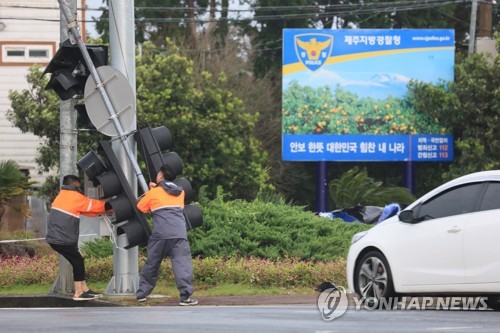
[[188, 302]]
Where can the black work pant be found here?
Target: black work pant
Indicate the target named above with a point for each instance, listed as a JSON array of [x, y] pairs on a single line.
[[71, 253]]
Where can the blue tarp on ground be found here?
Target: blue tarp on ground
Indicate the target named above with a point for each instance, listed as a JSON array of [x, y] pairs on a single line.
[[363, 214]]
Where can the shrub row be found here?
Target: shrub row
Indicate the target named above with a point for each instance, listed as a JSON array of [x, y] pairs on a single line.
[[265, 229], [287, 272]]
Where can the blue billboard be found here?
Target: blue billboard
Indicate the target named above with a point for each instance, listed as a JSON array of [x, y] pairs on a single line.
[[345, 94]]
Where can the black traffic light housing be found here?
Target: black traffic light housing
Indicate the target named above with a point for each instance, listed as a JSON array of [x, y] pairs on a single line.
[[82, 118], [108, 173], [151, 143], [69, 70], [192, 213]]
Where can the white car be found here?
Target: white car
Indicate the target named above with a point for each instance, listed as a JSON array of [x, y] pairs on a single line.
[[446, 242]]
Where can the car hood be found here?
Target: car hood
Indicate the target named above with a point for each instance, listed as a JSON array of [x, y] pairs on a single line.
[[386, 222]]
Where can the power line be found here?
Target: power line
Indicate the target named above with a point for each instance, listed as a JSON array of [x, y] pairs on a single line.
[[412, 5], [315, 15], [350, 6]]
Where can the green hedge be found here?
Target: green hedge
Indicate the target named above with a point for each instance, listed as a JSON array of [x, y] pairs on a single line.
[[265, 229]]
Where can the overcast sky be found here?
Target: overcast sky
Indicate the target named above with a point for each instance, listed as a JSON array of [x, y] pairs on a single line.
[[90, 13]]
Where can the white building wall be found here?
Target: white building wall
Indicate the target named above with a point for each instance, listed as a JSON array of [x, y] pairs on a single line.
[[24, 25]]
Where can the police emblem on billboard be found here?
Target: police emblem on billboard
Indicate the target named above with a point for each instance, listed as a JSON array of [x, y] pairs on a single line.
[[313, 49]]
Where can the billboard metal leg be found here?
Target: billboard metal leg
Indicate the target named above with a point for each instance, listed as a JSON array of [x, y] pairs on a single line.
[[410, 176], [322, 187]]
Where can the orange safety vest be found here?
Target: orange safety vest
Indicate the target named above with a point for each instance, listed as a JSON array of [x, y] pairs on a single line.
[[64, 219], [167, 210]]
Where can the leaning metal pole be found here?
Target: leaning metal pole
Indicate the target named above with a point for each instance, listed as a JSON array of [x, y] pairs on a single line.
[[73, 28]]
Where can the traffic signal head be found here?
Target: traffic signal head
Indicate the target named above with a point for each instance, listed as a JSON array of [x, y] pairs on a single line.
[[82, 118], [69, 70], [106, 173], [193, 216], [151, 143], [192, 212]]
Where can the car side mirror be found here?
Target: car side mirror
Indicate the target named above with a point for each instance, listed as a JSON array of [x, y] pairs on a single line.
[[407, 216]]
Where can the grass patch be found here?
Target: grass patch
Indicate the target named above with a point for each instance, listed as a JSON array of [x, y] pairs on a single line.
[[41, 288], [165, 288], [33, 289]]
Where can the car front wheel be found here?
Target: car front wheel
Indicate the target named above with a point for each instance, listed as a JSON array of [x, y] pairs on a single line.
[[373, 278]]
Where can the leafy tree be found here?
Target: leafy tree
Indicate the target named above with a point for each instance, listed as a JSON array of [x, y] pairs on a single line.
[[12, 185], [224, 54], [36, 110], [213, 132], [471, 107], [355, 187]]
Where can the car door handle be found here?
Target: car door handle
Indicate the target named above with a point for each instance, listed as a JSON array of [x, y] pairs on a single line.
[[454, 230]]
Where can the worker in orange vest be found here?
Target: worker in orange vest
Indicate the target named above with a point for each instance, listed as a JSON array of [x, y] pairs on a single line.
[[165, 200], [63, 230]]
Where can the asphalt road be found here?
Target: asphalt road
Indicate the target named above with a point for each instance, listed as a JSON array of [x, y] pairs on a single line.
[[241, 319]]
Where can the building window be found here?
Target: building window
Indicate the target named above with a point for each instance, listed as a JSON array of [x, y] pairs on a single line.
[[38, 53], [27, 53], [15, 53]]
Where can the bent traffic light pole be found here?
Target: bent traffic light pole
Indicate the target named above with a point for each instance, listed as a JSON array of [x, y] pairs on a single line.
[[113, 116]]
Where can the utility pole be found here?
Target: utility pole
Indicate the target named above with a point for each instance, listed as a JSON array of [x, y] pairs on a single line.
[[472, 29], [67, 155]]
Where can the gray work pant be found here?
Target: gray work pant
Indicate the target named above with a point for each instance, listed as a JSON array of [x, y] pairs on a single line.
[[180, 256]]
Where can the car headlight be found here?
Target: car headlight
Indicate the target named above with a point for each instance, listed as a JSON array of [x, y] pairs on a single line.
[[358, 236]]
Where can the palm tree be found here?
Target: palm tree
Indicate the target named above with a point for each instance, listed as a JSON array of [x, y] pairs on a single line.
[[355, 187], [12, 184]]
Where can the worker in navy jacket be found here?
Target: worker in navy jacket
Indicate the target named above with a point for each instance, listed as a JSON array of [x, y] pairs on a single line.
[[165, 201], [63, 229]]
